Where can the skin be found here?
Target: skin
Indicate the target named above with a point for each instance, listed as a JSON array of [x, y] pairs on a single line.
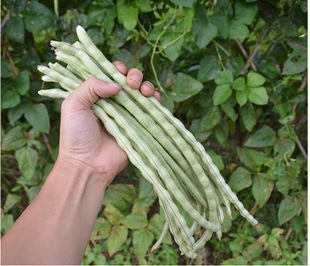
[[56, 226]]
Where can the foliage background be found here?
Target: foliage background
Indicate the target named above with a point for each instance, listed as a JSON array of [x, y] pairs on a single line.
[[234, 72]]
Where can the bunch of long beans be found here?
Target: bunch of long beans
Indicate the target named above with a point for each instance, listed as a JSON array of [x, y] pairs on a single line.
[[155, 141]]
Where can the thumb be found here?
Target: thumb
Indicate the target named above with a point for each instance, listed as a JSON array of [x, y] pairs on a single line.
[[90, 91]]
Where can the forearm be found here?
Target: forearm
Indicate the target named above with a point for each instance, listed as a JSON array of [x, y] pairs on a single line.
[[56, 227]]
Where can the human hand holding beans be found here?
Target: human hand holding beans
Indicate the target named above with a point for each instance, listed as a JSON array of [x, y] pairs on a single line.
[[83, 140]]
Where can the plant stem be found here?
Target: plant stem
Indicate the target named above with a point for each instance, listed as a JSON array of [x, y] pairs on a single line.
[[56, 8], [243, 51], [221, 47], [154, 51], [219, 56]]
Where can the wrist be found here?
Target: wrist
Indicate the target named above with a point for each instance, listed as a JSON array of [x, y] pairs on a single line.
[[82, 169]]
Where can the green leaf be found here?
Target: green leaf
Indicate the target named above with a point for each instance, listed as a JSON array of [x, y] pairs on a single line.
[[142, 240], [128, 58], [10, 201], [112, 196], [184, 87], [221, 22], [211, 119], [239, 84], [10, 99], [262, 188], [15, 113], [186, 3], [255, 80], [204, 32], [15, 7], [221, 94], [156, 225], [288, 209], [242, 97], [26, 158], [14, 139], [100, 259], [248, 116], [135, 221], [217, 159], [37, 116], [221, 132], [144, 5], [172, 51], [263, 137], [113, 214], [286, 26], [245, 13], [7, 221], [22, 82], [271, 70], [96, 34], [225, 77], [240, 179], [101, 229], [15, 29], [127, 15], [117, 238], [252, 159], [239, 260], [296, 63], [209, 68], [284, 149], [228, 108], [6, 68], [238, 31]]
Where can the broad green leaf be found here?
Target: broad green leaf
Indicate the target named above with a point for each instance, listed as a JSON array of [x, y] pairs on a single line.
[[262, 188], [226, 226], [37, 9], [15, 29], [238, 31], [113, 214], [101, 229], [204, 32], [221, 22], [15, 7], [303, 199], [135, 221], [209, 68], [263, 137], [225, 77], [127, 15], [245, 13], [34, 23], [255, 80], [271, 70], [146, 197], [229, 110], [111, 196], [242, 97], [10, 201], [32, 193], [22, 82], [186, 3], [128, 58], [284, 149], [217, 159], [184, 87], [10, 99], [144, 5], [6, 69], [221, 94], [288, 209], [248, 116], [14, 139], [37, 116], [239, 84], [15, 113], [197, 128], [172, 51], [286, 26], [240, 179], [211, 119], [100, 259], [221, 132], [252, 159], [156, 225], [296, 63], [117, 238], [26, 158], [7, 221], [239, 260], [142, 240]]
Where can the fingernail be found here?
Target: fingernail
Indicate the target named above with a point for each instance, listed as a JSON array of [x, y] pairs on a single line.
[[148, 84], [115, 85], [135, 78], [124, 69]]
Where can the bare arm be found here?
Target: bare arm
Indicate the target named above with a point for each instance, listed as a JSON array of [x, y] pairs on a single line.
[[57, 225]]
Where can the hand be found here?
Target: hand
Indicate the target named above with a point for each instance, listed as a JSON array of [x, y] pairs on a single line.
[[84, 142]]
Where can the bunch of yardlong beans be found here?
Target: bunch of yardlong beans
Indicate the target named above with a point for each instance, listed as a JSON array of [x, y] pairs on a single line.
[[155, 141]]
